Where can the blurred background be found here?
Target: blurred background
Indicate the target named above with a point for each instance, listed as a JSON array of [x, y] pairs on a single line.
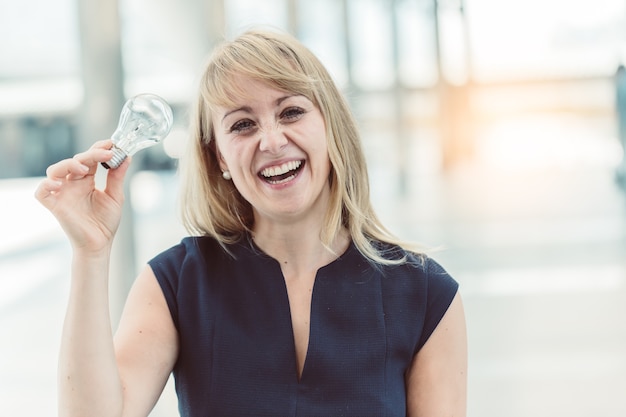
[[492, 133]]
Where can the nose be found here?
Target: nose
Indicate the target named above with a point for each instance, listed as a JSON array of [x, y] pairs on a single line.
[[272, 140]]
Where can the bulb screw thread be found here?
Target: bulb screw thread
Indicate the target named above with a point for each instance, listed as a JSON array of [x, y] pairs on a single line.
[[118, 157]]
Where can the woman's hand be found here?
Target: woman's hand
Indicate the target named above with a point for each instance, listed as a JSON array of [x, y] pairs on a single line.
[[89, 216]]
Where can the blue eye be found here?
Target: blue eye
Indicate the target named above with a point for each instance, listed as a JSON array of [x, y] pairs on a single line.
[[242, 126], [292, 113]]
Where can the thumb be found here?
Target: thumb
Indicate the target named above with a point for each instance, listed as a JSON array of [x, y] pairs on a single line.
[[115, 181]]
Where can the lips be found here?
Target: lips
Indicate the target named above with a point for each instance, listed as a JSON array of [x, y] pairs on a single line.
[[279, 174]]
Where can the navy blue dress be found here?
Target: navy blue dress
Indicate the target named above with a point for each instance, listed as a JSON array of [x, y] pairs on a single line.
[[237, 353]]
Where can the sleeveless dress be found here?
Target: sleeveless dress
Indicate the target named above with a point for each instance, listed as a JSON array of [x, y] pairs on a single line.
[[237, 352]]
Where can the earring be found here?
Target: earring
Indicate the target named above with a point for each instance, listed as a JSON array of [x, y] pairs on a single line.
[[226, 175]]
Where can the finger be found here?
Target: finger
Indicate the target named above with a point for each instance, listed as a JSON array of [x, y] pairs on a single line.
[[62, 169], [92, 157], [115, 180], [46, 189], [102, 144]]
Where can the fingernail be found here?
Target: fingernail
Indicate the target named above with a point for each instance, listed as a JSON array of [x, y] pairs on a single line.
[[84, 168]]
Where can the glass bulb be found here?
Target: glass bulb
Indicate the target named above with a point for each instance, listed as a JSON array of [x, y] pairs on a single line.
[[146, 120]]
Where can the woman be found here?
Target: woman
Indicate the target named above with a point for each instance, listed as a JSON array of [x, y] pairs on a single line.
[[291, 299]]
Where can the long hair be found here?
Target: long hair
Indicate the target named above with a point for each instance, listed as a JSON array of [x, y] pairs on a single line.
[[212, 206]]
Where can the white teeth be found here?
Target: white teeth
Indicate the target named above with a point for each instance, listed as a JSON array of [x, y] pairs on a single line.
[[282, 169]]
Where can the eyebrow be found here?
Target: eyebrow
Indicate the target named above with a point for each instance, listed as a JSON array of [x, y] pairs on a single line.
[[248, 109]]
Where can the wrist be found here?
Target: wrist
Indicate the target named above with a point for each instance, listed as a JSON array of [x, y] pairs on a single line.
[[91, 255]]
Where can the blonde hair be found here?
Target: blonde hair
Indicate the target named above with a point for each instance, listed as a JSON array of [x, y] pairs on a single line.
[[212, 206]]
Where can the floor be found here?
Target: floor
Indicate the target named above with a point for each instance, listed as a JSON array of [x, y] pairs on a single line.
[[538, 246]]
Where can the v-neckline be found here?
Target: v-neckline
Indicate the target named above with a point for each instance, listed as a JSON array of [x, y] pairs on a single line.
[[300, 373]]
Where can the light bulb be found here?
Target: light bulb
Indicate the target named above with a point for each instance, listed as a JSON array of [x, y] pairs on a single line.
[[146, 120]]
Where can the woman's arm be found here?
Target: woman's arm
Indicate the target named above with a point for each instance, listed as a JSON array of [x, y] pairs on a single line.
[[99, 377], [437, 379], [88, 380], [146, 345], [91, 380]]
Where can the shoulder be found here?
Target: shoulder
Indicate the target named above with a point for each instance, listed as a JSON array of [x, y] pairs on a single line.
[[418, 275], [416, 289], [189, 269], [191, 245], [189, 249], [403, 271], [412, 262], [187, 260]]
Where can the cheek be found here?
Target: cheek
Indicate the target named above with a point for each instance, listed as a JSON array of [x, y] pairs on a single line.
[[322, 143], [321, 134], [233, 155], [315, 135], [222, 153]]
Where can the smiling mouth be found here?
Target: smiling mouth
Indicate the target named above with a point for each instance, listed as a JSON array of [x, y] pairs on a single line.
[[282, 173]]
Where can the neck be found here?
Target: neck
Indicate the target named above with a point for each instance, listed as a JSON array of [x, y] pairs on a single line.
[[298, 248]]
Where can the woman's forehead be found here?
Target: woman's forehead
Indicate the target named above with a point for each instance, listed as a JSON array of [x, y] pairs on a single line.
[[248, 91]]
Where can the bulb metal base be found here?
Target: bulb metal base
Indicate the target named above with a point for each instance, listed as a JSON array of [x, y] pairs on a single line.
[[118, 157]]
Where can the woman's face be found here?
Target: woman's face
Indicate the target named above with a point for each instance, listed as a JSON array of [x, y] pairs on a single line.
[[273, 143]]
